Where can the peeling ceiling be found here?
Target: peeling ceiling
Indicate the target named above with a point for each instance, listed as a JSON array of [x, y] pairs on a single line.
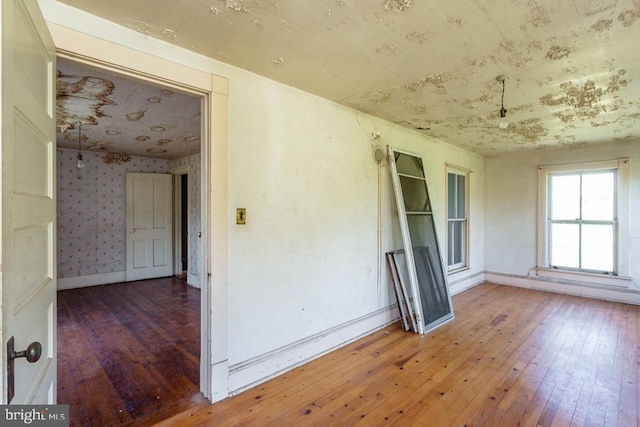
[[572, 67], [123, 117]]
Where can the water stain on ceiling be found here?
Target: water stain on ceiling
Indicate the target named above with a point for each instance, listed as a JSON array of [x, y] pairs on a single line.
[[123, 117], [573, 65]]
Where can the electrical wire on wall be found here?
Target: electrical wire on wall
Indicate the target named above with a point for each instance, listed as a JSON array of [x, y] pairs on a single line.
[[379, 155]]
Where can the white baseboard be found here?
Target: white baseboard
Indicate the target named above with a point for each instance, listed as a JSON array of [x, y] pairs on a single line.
[[254, 371], [461, 284], [91, 280], [617, 294], [193, 280]]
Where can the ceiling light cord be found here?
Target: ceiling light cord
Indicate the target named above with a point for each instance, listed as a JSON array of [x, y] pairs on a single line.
[[80, 163], [503, 124], [503, 112]]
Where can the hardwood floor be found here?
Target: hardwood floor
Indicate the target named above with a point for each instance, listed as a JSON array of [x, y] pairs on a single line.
[[510, 357], [128, 353]]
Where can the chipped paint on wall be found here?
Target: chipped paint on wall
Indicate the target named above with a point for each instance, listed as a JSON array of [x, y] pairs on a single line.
[[538, 14], [458, 20], [584, 100], [531, 130], [116, 158], [630, 16], [100, 146], [597, 6], [387, 49], [417, 37], [237, 5], [557, 52], [602, 25], [439, 81], [379, 95], [398, 5], [155, 150], [134, 117]]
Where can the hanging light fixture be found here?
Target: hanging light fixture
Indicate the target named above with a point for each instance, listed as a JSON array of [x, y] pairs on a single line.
[[80, 163], [503, 123]]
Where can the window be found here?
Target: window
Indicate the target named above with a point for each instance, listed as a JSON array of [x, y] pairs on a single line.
[[583, 218], [457, 220]]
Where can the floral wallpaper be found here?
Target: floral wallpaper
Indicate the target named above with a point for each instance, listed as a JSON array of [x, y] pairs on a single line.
[[193, 210], [91, 211]]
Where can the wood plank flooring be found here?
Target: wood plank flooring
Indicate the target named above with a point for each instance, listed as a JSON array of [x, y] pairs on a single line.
[[128, 353], [511, 357]]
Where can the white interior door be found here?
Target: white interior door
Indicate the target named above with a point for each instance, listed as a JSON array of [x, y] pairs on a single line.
[[149, 226], [28, 278]]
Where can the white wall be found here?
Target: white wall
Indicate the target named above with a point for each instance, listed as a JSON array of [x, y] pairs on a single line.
[[306, 273], [303, 167], [511, 204]]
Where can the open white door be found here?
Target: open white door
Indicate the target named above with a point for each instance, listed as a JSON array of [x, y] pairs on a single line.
[[28, 278], [149, 226]]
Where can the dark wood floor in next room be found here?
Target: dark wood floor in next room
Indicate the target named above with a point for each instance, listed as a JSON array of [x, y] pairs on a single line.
[[511, 357], [128, 353]]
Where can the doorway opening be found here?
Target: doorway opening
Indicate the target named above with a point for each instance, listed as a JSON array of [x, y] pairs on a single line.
[[184, 224], [124, 135]]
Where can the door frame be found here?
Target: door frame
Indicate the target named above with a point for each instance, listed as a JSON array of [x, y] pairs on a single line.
[[213, 91], [178, 197]]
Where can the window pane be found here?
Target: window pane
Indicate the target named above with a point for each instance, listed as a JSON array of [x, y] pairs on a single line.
[[565, 197], [462, 209], [456, 235], [598, 196], [415, 194], [409, 165], [451, 196], [597, 247], [459, 242], [451, 235], [565, 245]]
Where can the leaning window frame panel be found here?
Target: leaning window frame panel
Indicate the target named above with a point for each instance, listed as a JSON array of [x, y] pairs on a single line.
[[431, 285]]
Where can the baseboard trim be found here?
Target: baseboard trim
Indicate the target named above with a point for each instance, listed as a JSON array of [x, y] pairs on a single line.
[[457, 285], [252, 372], [603, 292], [193, 280], [91, 280]]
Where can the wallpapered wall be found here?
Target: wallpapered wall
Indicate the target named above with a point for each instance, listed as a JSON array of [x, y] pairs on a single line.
[[92, 210]]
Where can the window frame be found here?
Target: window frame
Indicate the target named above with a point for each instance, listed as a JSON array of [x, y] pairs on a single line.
[[620, 224], [464, 264]]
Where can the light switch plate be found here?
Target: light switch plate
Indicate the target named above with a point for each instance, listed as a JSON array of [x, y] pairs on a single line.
[[241, 216]]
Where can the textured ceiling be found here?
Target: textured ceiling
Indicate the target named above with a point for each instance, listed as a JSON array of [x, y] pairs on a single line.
[[573, 66], [123, 116]]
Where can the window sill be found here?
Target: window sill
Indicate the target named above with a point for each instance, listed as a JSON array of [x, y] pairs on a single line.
[[591, 278]]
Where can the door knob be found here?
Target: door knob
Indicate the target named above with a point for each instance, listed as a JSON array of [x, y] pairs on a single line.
[[32, 353]]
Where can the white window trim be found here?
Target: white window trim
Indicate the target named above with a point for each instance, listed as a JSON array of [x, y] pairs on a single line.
[[621, 255], [449, 168]]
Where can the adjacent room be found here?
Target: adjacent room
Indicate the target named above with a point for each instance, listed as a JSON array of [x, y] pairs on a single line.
[[523, 119], [128, 310]]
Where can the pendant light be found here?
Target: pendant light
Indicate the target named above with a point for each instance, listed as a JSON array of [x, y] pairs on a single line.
[[503, 123], [80, 163]]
